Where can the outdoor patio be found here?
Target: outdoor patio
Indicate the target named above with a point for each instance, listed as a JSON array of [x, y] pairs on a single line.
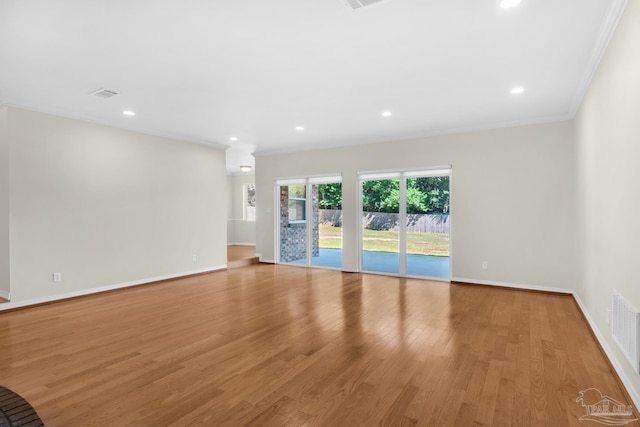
[[386, 262]]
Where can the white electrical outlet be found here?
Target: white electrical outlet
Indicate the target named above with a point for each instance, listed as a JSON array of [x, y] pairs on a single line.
[[194, 257], [485, 265], [57, 277]]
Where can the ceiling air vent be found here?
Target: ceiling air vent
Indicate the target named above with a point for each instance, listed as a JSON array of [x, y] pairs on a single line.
[[104, 93], [357, 4]]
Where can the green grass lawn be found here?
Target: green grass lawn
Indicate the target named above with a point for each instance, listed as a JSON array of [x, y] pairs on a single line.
[[387, 241]]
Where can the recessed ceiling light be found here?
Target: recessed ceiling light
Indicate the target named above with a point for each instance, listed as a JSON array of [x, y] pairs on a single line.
[[233, 138], [506, 4], [387, 114], [517, 90], [128, 113], [299, 127], [245, 168]]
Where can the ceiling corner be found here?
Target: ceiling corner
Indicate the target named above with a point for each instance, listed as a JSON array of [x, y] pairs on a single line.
[[616, 9]]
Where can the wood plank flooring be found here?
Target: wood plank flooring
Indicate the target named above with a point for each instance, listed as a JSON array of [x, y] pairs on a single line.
[[241, 256], [240, 252], [274, 345]]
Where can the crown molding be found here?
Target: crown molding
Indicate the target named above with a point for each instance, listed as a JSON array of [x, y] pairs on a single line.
[[420, 135], [608, 27]]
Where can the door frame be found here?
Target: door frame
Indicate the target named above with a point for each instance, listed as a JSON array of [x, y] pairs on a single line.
[[308, 181]]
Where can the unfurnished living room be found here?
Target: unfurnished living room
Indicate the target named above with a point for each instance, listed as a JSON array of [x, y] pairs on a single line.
[[319, 213]]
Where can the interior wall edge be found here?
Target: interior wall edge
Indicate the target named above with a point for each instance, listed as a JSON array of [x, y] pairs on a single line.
[[609, 353]]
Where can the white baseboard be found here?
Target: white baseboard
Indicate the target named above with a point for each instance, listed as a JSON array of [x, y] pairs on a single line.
[[268, 261], [610, 354], [513, 285], [615, 362], [5, 295], [26, 303], [240, 244]]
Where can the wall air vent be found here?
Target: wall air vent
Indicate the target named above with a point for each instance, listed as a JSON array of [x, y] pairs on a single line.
[[357, 4], [103, 93], [625, 327]]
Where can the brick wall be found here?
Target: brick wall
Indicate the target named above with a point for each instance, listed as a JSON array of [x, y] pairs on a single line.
[[293, 236]]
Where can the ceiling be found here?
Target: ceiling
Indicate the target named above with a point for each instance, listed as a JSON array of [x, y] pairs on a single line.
[[208, 70]]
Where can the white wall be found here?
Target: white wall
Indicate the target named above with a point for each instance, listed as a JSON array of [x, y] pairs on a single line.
[[512, 200], [239, 231], [4, 203], [105, 206], [608, 143]]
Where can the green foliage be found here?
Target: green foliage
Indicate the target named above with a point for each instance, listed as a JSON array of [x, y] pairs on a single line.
[[330, 196], [381, 195], [429, 195], [416, 200]]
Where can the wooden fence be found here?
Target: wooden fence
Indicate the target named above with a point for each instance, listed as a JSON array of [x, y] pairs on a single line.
[[416, 223]]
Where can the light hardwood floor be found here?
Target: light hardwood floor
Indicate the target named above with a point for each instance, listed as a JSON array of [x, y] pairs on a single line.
[[275, 345], [240, 252], [241, 256]]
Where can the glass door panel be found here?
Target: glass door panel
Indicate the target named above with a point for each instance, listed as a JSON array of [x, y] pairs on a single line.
[[327, 225], [427, 226], [380, 225]]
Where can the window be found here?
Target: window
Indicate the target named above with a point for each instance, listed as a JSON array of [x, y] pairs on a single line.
[[249, 202], [297, 203], [297, 211]]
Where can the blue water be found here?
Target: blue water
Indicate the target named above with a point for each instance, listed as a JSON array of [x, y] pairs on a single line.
[[386, 262]]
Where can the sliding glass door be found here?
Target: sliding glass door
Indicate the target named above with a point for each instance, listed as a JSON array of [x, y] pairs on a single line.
[[380, 218], [427, 226], [405, 223], [310, 221], [328, 213]]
